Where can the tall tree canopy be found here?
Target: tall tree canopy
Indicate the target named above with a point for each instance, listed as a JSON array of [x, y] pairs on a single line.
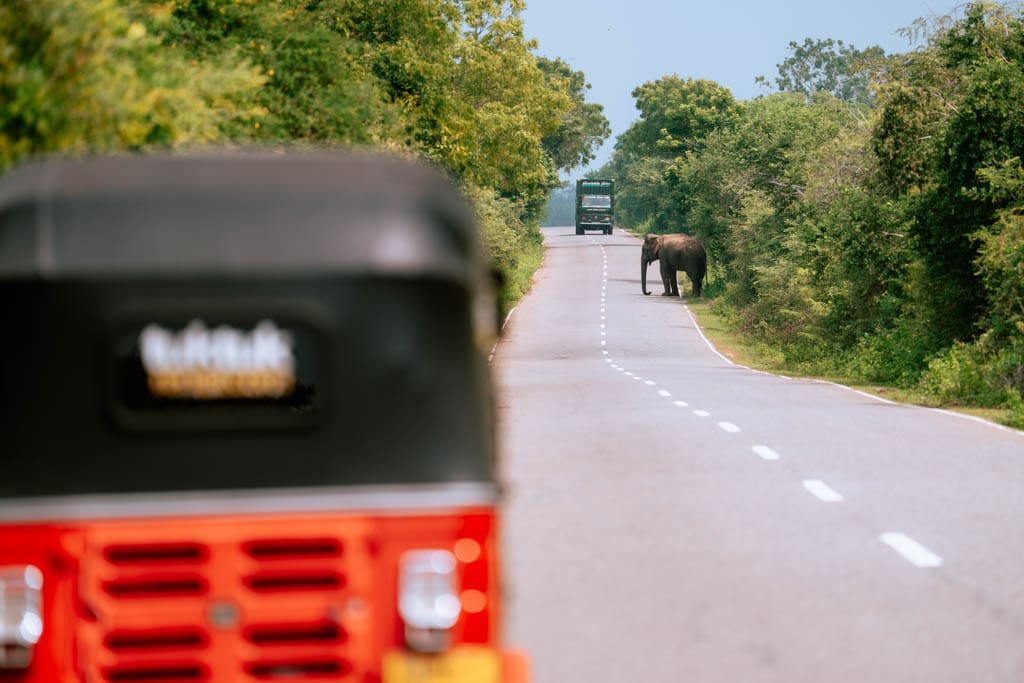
[[84, 77], [829, 66], [583, 128], [951, 120], [676, 114], [452, 81], [676, 117], [868, 220]]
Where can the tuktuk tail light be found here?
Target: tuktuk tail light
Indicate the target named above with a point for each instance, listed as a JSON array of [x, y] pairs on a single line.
[[428, 599], [21, 615]]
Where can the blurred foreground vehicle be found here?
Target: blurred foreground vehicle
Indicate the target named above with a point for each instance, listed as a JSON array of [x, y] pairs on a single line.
[[247, 425]]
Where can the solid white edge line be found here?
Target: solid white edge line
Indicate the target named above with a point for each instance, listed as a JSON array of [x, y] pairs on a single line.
[[494, 349], [718, 353], [879, 399], [508, 317], [822, 491], [911, 551]]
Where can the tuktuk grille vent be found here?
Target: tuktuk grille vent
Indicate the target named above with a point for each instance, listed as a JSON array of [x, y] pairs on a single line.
[[157, 586], [328, 668], [289, 581], [156, 554], [132, 641], [292, 549], [158, 673], [158, 617], [296, 634]]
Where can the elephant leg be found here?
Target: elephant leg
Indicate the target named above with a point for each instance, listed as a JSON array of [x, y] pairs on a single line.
[[695, 287], [668, 279]]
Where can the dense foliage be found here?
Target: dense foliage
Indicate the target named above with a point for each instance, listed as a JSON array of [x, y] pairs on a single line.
[[874, 233], [452, 81]]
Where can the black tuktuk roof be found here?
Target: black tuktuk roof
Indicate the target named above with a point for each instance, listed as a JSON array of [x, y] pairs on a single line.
[[232, 213], [369, 267]]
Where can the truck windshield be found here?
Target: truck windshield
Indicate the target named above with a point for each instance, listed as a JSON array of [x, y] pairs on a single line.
[[597, 201]]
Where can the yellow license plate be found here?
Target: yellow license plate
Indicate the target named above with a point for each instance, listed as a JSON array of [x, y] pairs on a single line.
[[466, 664]]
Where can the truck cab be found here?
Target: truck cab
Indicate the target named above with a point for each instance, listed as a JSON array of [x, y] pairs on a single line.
[[595, 205]]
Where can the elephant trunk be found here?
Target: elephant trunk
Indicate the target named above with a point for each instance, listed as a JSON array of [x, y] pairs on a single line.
[[643, 275]]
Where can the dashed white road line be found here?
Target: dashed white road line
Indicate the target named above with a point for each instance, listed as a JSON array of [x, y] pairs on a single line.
[[908, 548], [766, 453], [822, 491], [912, 551], [650, 382]]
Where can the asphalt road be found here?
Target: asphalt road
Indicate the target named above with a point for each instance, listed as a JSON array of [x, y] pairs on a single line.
[[672, 517]]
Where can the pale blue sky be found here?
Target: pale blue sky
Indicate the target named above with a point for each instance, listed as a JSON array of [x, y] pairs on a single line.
[[620, 44]]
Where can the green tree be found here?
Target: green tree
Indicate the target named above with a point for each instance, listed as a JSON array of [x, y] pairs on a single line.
[[829, 66], [954, 111], [454, 81], [323, 83], [504, 105], [583, 128], [83, 77], [676, 118], [676, 114]]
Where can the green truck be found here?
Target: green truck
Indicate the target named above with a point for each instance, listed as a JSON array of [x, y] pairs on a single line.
[[595, 205]]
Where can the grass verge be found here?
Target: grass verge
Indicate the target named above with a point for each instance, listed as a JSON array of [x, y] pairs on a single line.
[[743, 351]]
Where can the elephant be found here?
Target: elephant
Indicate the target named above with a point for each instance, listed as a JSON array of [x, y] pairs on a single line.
[[675, 252]]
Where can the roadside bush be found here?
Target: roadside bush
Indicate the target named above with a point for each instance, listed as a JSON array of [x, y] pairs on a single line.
[[514, 246], [893, 355], [977, 375]]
